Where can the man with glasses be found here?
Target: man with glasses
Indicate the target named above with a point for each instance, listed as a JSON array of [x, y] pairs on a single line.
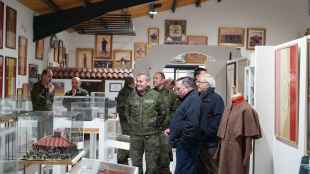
[[212, 109]]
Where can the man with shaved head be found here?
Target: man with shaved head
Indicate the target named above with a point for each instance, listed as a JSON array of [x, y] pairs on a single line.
[[75, 91], [146, 112]]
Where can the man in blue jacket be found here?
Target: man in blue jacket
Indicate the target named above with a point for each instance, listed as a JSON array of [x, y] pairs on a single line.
[[184, 127], [212, 109]]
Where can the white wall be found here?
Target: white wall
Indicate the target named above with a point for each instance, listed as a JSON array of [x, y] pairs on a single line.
[[284, 20]]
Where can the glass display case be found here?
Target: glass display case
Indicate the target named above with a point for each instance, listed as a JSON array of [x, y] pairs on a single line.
[[91, 166]]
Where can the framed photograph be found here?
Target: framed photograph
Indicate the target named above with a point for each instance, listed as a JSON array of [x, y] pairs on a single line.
[[231, 78], [10, 36], [102, 63], [175, 32], [22, 55], [197, 40], [103, 47], [287, 94], [115, 87], [33, 71], [10, 77], [39, 49], [153, 37], [122, 59], [231, 37], [255, 37], [140, 50], [1, 23], [84, 58]]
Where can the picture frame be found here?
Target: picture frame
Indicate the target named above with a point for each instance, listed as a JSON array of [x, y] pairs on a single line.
[[10, 77], [231, 37], [1, 74], [26, 90], [102, 63], [255, 37], [175, 32], [39, 49], [10, 32], [1, 23], [59, 88], [22, 55], [122, 59], [308, 99], [115, 87], [197, 40], [33, 71], [152, 37], [196, 58], [84, 58], [103, 47], [287, 94], [140, 50], [231, 79]]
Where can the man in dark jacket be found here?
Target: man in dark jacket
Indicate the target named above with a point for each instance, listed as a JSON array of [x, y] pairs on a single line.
[[212, 109], [146, 112], [123, 155], [184, 127]]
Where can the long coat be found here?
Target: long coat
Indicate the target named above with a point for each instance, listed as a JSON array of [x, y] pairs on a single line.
[[238, 127]]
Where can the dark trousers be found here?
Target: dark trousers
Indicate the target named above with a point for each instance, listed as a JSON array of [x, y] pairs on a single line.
[[164, 156], [187, 159], [207, 165]]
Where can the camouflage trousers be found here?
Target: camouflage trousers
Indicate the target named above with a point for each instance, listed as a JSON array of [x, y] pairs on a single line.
[[122, 156], [164, 156], [148, 144]]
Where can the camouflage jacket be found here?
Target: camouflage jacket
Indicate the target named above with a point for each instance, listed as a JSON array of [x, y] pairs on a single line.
[[145, 113], [120, 108], [41, 99], [67, 102]]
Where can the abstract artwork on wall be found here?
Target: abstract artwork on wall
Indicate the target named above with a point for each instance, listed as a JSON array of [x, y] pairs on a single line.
[[286, 94], [10, 77], [10, 36], [22, 55]]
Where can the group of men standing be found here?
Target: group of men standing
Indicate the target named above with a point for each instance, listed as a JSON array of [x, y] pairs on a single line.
[[186, 118]]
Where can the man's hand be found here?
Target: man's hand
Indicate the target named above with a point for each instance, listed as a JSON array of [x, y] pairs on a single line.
[[167, 132], [73, 92], [51, 88]]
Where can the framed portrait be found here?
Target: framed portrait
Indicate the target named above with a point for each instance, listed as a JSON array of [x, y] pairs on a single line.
[[197, 40], [287, 94], [10, 36], [255, 37], [10, 77], [39, 49], [33, 71], [153, 37], [231, 78], [22, 55], [84, 58], [103, 47], [1, 23], [102, 63], [122, 59], [231, 37], [175, 32], [140, 50], [115, 87]]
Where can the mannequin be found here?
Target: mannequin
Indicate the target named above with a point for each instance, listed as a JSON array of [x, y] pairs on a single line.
[[238, 127]]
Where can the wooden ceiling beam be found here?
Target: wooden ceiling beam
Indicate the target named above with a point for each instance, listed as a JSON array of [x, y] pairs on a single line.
[[51, 5]]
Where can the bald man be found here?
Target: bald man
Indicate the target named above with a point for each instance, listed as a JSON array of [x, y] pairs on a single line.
[[75, 91]]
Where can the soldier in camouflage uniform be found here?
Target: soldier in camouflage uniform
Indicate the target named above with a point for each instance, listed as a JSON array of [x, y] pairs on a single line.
[[146, 111], [171, 101], [123, 155]]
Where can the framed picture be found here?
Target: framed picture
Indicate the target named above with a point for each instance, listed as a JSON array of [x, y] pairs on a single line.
[[26, 90], [255, 37], [10, 77], [33, 71], [1, 74], [175, 32], [139, 50], [10, 36], [59, 88], [102, 63], [287, 94], [22, 55], [84, 58], [103, 47], [231, 78], [122, 59], [39, 49], [153, 37], [196, 58], [1, 23], [231, 37], [197, 40], [115, 87], [308, 93]]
